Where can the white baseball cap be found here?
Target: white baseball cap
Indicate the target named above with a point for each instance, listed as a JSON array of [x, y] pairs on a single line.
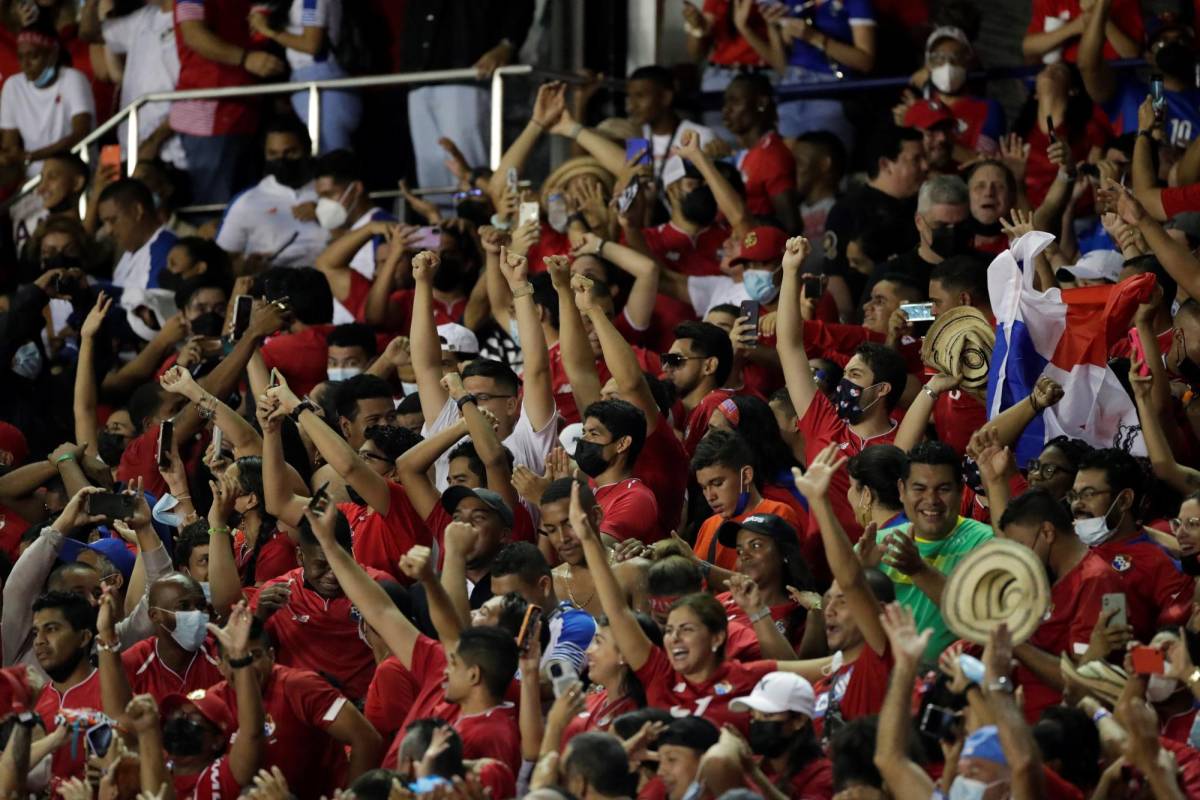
[[570, 436], [947, 32], [458, 338], [160, 303], [777, 692], [1098, 265]]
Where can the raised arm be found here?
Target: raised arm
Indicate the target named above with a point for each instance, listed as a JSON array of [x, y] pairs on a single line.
[[414, 464], [236, 430], [84, 406], [609, 154], [1098, 76], [378, 309], [334, 260], [1182, 478], [498, 294], [142, 713], [223, 578], [247, 749], [906, 779], [481, 427], [426, 347], [578, 360], [789, 329], [1175, 256], [1016, 738], [547, 108], [280, 501], [417, 564], [916, 419], [632, 642], [115, 693], [538, 397], [729, 201], [1010, 423], [639, 306]]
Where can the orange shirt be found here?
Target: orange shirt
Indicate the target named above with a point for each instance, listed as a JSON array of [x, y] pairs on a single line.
[[709, 549]]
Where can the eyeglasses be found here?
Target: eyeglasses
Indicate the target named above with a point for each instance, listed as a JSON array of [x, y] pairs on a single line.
[[1047, 471], [1087, 495], [1191, 524], [367, 454], [677, 360]]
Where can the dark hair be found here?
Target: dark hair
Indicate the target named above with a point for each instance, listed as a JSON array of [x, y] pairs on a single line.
[[802, 750], [1121, 471], [522, 559], [291, 124], [557, 489], [341, 532], [250, 480], [694, 733], [629, 723], [498, 371], [398, 595], [725, 308], [353, 334], [512, 616], [888, 367], [673, 575], [852, 751], [621, 419], [663, 391], [1073, 449], [711, 342], [128, 192], [880, 585], [495, 653], [1078, 113], [145, 402], [209, 279], [474, 462], [418, 735], [631, 685], [832, 146], [888, 142], [393, 440], [175, 178], [934, 454], [339, 165], [1034, 507], [376, 784], [309, 297], [709, 610], [600, 759], [1150, 263], [720, 448], [880, 468], [73, 163], [963, 273], [363, 386], [206, 250], [656, 74], [756, 423], [906, 286], [546, 296], [75, 609], [1067, 734], [190, 536]]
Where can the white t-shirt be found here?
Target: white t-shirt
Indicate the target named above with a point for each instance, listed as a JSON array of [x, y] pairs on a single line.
[[529, 447], [43, 116], [260, 220], [147, 40], [706, 291], [141, 268], [661, 144], [325, 14], [363, 261]]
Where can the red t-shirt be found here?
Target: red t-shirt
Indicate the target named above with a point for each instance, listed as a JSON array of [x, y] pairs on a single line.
[[768, 168], [662, 466], [666, 688], [83, 695], [630, 511], [956, 416], [301, 357], [140, 458], [550, 243], [149, 675], [1178, 199], [709, 549], [276, 556], [697, 420], [729, 47], [215, 782], [597, 715], [381, 540], [1040, 172], [1074, 609], [226, 19], [299, 706], [659, 335], [859, 686], [391, 696], [689, 255], [12, 525], [782, 614], [565, 399], [741, 642], [813, 782], [1157, 593], [400, 302], [1125, 14], [308, 618]]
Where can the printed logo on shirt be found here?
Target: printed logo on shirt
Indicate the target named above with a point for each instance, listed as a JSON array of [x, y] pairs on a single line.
[[1122, 563], [723, 688], [268, 725]]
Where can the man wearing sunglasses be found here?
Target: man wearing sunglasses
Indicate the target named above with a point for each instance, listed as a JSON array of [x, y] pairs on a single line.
[[698, 364]]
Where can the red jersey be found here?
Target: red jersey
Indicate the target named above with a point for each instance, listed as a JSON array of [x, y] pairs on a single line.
[[342, 657], [549, 243], [697, 420], [681, 252], [1040, 172], [1053, 14], [563, 397], [215, 782], [709, 549], [1178, 199], [956, 416], [443, 313], [391, 696], [276, 556], [140, 458], [298, 707], [666, 688], [659, 334], [855, 690], [226, 19], [660, 467], [597, 715], [149, 675], [813, 782], [12, 525], [741, 642], [1067, 627], [630, 511], [381, 540], [1157, 593], [768, 169], [781, 614], [300, 357], [729, 47], [83, 695]]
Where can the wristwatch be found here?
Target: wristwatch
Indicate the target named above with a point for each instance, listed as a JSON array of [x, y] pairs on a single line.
[[762, 613], [466, 398], [932, 394], [1001, 684]]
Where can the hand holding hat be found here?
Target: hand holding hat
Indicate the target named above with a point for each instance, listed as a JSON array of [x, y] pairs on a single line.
[[999, 582]]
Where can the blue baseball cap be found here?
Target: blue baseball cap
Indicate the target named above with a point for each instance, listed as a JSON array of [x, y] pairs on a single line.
[[985, 743], [113, 549]]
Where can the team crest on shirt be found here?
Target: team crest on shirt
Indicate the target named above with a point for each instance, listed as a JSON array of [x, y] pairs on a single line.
[[197, 694], [722, 688], [750, 240], [1122, 563], [268, 726]]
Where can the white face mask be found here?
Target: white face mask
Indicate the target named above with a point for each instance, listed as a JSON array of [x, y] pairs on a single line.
[[969, 789], [1094, 530], [342, 373], [1158, 688], [948, 78], [331, 213]]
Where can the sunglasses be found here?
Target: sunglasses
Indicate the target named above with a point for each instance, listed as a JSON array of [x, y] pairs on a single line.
[[676, 360]]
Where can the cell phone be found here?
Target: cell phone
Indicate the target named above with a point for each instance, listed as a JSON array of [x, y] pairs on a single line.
[[1148, 660], [319, 499], [275, 379], [637, 147], [1089, 170], [99, 738], [561, 677], [812, 287], [941, 723], [1050, 129], [110, 156], [429, 237], [533, 615], [1158, 100], [1116, 600], [166, 435], [1138, 352], [972, 668], [512, 181], [529, 213], [114, 505], [918, 312], [242, 306], [625, 201], [750, 309], [217, 440]]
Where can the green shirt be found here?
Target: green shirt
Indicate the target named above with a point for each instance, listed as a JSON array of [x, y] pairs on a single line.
[[943, 555]]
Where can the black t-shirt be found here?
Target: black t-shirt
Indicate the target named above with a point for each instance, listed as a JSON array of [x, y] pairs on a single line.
[[886, 220]]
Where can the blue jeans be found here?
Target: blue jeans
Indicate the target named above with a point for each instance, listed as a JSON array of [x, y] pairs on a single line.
[[340, 110], [214, 165]]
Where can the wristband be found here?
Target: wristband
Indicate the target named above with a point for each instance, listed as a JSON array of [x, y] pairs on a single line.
[[104, 647], [223, 529], [1149, 134], [1100, 714], [65, 457], [238, 663], [27, 719], [932, 394], [576, 129], [705, 568], [524, 290], [466, 398], [762, 613], [305, 405]]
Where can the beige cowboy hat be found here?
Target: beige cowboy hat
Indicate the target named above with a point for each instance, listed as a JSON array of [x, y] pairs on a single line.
[[998, 582], [960, 343], [576, 168], [1099, 678]]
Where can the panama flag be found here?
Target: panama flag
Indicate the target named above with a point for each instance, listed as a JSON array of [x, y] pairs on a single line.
[[1065, 334]]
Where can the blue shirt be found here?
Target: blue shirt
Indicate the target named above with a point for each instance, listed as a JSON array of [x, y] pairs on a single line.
[[571, 631], [833, 18], [1183, 110]]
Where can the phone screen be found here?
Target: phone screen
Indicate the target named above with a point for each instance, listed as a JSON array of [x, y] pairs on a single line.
[[1111, 601], [166, 434], [113, 505], [242, 306], [533, 615], [749, 309]]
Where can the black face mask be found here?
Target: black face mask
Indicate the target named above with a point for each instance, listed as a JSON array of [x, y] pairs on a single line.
[[951, 240], [590, 458], [449, 273], [1190, 373], [293, 172], [183, 737], [61, 261], [1177, 60], [208, 324], [354, 496], [767, 739], [1190, 565], [699, 206], [111, 446], [171, 281]]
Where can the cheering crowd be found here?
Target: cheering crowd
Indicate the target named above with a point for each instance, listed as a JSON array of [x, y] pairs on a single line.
[[802, 449]]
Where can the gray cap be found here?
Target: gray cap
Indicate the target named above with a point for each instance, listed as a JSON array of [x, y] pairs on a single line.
[[455, 494]]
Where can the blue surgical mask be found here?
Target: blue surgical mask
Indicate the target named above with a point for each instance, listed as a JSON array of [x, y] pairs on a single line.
[[47, 77], [760, 285], [743, 501], [163, 514], [191, 628]]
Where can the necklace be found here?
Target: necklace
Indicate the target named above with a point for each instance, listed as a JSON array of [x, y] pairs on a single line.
[[571, 590]]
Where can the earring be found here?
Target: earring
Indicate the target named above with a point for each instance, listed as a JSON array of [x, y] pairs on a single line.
[[715, 648]]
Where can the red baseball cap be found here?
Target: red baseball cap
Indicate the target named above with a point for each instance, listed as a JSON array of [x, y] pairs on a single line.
[[924, 114], [211, 707], [12, 441], [764, 243]]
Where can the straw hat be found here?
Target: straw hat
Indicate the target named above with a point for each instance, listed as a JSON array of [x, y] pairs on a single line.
[[959, 343], [576, 168], [1100, 678], [998, 582]]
